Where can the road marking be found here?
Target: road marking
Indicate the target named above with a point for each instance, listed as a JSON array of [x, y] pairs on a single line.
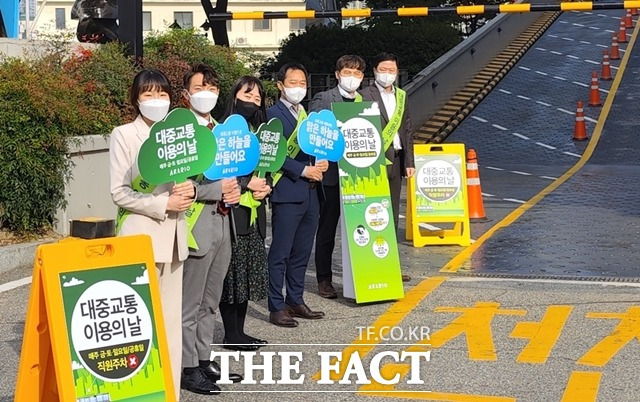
[[542, 335], [555, 52], [573, 57], [577, 25], [14, 284], [504, 91], [569, 39], [583, 386], [542, 103], [390, 318], [592, 62], [514, 200], [589, 119], [499, 127], [545, 145], [559, 78], [480, 119], [541, 73], [524, 97], [520, 173], [548, 177], [493, 168], [603, 90], [572, 154], [552, 36], [524, 137], [545, 281], [565, 111], [487, 195], [594, 28], [585, 42], [524, 68], [456, 262], [542, 49], [582, 84]]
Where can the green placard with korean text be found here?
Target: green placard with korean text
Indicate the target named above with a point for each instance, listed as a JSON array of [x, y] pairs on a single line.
[[371, 264]]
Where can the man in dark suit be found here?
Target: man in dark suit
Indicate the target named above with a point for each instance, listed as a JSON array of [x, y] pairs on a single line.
[[396, 127], [295, 206], [349, 72]]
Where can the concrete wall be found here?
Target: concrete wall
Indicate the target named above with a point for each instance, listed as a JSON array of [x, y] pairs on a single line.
[[436, 84], [88, 189]]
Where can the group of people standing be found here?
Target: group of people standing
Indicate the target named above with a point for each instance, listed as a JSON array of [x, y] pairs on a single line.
[[229, 264]]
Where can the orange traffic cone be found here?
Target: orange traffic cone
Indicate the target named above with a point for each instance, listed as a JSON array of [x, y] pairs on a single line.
[[634, 12], [622, 33], [606, 67], [615, 50], [580, 130], [628, 23], [476, 207], [594, 94]]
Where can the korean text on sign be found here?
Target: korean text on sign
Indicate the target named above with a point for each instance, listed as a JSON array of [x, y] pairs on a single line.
[[111, 317]]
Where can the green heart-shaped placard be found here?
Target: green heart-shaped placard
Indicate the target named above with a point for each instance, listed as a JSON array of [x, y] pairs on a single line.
[[273, 146]]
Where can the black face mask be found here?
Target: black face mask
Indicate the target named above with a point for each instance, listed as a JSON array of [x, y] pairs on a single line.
[[246, 109]]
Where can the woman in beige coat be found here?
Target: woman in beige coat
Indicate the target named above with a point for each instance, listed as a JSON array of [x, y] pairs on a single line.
[[155, 211]]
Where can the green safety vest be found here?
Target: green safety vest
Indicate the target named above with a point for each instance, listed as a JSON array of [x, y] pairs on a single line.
[[293, 147]]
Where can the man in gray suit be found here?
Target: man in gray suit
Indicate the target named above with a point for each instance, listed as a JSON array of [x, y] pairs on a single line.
[[396, 127], [349, 72], [209, 249]]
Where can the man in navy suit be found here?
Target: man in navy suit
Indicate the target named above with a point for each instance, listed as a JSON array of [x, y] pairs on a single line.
[[295, 206]]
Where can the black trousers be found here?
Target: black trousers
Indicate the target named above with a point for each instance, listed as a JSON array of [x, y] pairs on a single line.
[[326, 234]]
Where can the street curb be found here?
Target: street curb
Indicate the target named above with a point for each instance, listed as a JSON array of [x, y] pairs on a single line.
[[19, 256]]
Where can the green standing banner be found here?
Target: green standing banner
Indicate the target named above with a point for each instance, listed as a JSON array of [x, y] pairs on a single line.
[[370, 260]]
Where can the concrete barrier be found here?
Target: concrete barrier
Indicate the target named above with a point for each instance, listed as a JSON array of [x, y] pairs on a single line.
[[431, 88]]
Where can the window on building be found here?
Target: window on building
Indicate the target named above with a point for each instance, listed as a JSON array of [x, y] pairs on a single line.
[[146, 21], [184, 18], [61, 22], [262, 25], [297, 24], [228, 25]]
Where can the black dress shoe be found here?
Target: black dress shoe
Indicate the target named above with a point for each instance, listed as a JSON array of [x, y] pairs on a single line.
[[198, 383], [303, 311], [213, 372], [282, 319], [239, 346], [254, 340], [326, 290]]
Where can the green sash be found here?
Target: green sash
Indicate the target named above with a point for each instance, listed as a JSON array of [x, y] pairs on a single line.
[[358, 97], [395, 121], [140, 186], [191, 216], [293, 147]]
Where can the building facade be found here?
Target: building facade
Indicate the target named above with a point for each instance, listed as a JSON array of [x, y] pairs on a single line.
[[262, 36]]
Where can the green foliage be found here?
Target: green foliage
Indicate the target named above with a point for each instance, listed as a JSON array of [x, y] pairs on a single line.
[[416, 42]]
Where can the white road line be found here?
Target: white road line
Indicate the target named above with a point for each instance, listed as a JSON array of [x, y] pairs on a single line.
[[504, 91], [564, 110], [524, 68], [604, 15], [622, 50], [520, 173], [564, 22], [554, 52], [488, 195], [429, 227], [572, 154], [541, 72], [569, 39], [573, 57], [590, 119], [594, 28], [524, 97], [610, 31], [499, 127], [541, 49], [542, 103], [479, 119], [552, 36], [577, 25], [591, 61], [548, 177], [613, 67], [514, 200], [585, 42], [552, 282], [545, 145], [524, 137], [493, 168], [604, 46], [582, 84], [559, 78], [14, 284], [603, 90], [587, 12]]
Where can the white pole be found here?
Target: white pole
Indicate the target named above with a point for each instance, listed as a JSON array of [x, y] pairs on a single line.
[[26, 19]]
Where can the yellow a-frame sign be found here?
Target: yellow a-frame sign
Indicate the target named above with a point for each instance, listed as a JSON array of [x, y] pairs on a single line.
[[437, 196], [94, 329]]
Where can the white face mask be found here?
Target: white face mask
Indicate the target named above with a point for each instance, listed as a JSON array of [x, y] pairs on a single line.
[[295, 95], [385, 80], [154, 109], [350, 84], [203, 101]]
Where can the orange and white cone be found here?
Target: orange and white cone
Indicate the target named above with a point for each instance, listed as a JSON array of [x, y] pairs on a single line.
[[474, 190], [606, 67], [594, 93], [580, 130], [628, 23], [615, 49], [622, 33]]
